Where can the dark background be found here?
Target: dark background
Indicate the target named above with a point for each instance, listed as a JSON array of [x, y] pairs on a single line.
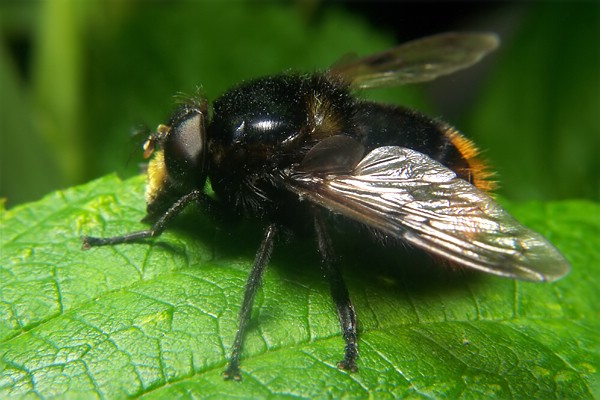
[[77, 77]]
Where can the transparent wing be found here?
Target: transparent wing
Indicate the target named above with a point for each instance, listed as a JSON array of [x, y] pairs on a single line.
[[408, 195], [417, 61]]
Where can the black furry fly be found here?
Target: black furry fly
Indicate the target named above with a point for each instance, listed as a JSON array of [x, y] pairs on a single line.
[[289, 148]]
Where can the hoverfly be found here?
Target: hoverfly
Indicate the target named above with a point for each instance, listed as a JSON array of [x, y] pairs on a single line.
[[288, 149]]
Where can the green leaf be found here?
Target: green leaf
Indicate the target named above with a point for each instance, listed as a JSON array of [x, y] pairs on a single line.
[[158, 319]]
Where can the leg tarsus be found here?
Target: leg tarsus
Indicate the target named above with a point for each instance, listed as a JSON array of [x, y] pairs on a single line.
[[91, 241], [232, 373], [350, 357]]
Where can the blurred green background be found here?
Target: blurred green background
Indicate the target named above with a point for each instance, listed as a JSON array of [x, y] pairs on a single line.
[[77, 76]]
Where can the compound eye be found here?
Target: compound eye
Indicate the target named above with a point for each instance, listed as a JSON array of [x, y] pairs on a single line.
[[184, 146]]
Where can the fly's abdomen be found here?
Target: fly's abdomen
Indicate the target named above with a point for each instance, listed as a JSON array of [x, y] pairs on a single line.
[[388, 125]]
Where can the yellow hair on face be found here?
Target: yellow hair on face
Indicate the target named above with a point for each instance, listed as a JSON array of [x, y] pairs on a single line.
[[157, 175]]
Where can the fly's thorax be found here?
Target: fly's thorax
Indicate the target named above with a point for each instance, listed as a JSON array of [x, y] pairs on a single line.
[[269, 124]]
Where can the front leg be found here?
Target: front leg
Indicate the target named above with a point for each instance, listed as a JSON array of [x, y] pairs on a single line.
[[158, 227], [339, 292]]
